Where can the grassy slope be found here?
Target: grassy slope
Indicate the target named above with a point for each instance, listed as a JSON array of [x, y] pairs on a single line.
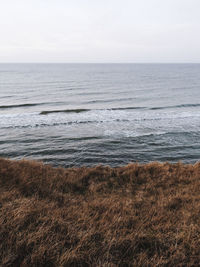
[[137, 215]]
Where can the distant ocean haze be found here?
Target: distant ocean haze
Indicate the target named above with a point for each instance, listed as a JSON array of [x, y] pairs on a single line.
[[87, 114]]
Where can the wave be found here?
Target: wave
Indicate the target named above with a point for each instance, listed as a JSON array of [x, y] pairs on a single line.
[[109, 100], [61, 123], [17, 106], [28, 105], [34, 123], [46, 112], [20, 105], [176, 106], [79, 110], [127, 108]]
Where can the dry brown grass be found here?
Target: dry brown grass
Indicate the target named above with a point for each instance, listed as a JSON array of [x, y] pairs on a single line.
[[137, 215]]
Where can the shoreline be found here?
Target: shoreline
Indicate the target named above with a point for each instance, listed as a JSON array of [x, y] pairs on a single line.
[[135, 215]]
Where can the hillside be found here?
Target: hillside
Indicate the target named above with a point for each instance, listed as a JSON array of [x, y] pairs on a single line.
[[136, 215]]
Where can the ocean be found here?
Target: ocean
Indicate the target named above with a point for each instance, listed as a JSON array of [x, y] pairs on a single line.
[[111, 114]]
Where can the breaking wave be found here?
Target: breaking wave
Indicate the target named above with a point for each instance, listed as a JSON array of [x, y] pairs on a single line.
[[80, 110], [46, 112], [20, 105], [177, 106]]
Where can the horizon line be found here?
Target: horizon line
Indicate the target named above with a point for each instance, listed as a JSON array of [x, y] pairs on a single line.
[[99, 62]]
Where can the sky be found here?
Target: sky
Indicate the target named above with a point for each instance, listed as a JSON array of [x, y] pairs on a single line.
[[100, 31]]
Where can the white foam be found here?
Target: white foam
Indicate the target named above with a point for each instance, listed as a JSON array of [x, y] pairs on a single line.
[[127, 123]]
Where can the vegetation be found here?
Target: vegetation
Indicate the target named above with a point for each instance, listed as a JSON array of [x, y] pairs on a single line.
[[137, 215]]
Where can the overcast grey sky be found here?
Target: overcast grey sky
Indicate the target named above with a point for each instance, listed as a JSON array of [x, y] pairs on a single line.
[[99, 31]]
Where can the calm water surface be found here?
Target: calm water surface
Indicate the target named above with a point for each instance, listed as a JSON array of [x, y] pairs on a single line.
[[86, 114]]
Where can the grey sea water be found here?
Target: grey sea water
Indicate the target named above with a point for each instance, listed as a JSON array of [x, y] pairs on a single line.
[[86, 114]]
